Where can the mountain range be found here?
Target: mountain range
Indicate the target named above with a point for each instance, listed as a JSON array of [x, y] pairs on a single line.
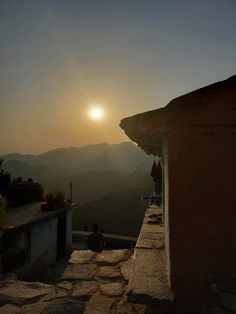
[[107, 181]]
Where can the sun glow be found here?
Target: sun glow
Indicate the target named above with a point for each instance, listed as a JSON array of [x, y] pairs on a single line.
[[96, 113]]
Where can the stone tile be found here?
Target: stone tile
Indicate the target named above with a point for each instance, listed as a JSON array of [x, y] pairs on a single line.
[[10, 309], [82, 257], [112, 289], [124, 307], [64, 306], [112, 256], [108, 273], [20, 292], [79, 271], [35, 308], [84, 289], [57, 293], [99, 304], [126, 268], [67, 285]]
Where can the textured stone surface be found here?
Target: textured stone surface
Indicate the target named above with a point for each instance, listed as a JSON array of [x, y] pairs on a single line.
[[148, 278], [57, 293], [151, 240], [112, 289], [64, 306], [112, 256], [99, 304], [77, 271], [82, 256], [84, 289], [35, 308], [10, 309], [20, 292], [67, 285], [126, 268], [108, 273]]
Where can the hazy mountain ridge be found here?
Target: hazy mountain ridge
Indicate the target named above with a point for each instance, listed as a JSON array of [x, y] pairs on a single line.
[[71, 161], [107, 181], [119, 212]]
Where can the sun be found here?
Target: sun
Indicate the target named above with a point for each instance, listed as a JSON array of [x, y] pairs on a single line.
[[96, 113]]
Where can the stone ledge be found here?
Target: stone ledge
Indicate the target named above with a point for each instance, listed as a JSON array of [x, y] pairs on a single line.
[[148, 281]]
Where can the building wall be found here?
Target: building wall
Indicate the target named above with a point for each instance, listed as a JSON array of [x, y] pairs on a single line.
[[166, 203], [69, 231], [44, 242], [202, 205]]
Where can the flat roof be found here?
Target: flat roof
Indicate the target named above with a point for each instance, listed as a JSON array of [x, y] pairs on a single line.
[[19, 217]]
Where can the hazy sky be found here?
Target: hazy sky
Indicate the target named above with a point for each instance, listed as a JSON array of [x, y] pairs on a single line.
[[57, 57]]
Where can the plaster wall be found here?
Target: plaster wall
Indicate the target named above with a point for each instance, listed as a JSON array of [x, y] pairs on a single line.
[[202, 205], [44, 242], [166, 204], [69, 231]]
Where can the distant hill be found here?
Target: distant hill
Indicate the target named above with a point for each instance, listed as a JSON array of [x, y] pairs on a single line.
[[107, 181], [68, 162], [120, 212]]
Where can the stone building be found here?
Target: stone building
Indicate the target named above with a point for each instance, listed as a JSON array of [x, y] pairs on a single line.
[[195, 136], [33, 240]]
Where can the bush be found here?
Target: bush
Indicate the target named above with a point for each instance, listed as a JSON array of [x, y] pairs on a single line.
[[55, 200]]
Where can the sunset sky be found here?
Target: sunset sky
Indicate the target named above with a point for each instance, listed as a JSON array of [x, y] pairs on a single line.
[[58, 58]]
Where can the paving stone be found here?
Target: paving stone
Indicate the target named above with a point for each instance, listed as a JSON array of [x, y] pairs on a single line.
[[112, 256], [112, 289], [67, 285], [64, 306], [57, 293], [10, 309], [82, 256], [84, 289], [108, 273], [79, 271], [20, 292], [126, 268], [124, 307], [35, 308], [99, 304]]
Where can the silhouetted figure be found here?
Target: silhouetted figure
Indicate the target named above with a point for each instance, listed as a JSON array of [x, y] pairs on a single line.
[[86, 228], [96, 241]]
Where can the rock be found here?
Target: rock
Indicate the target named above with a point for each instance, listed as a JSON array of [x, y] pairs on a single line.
[[67, 285], [10, 309], [57, 293], [84, 289], [79, 271], [126, 268], [82, 256], [124, 307], [35, 308], [108, 273], [99, 304], [112, 256], [112, 289], [20, 292], [64, 306]]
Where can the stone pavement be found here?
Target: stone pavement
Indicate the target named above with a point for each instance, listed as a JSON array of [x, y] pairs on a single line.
[[92, 283]]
